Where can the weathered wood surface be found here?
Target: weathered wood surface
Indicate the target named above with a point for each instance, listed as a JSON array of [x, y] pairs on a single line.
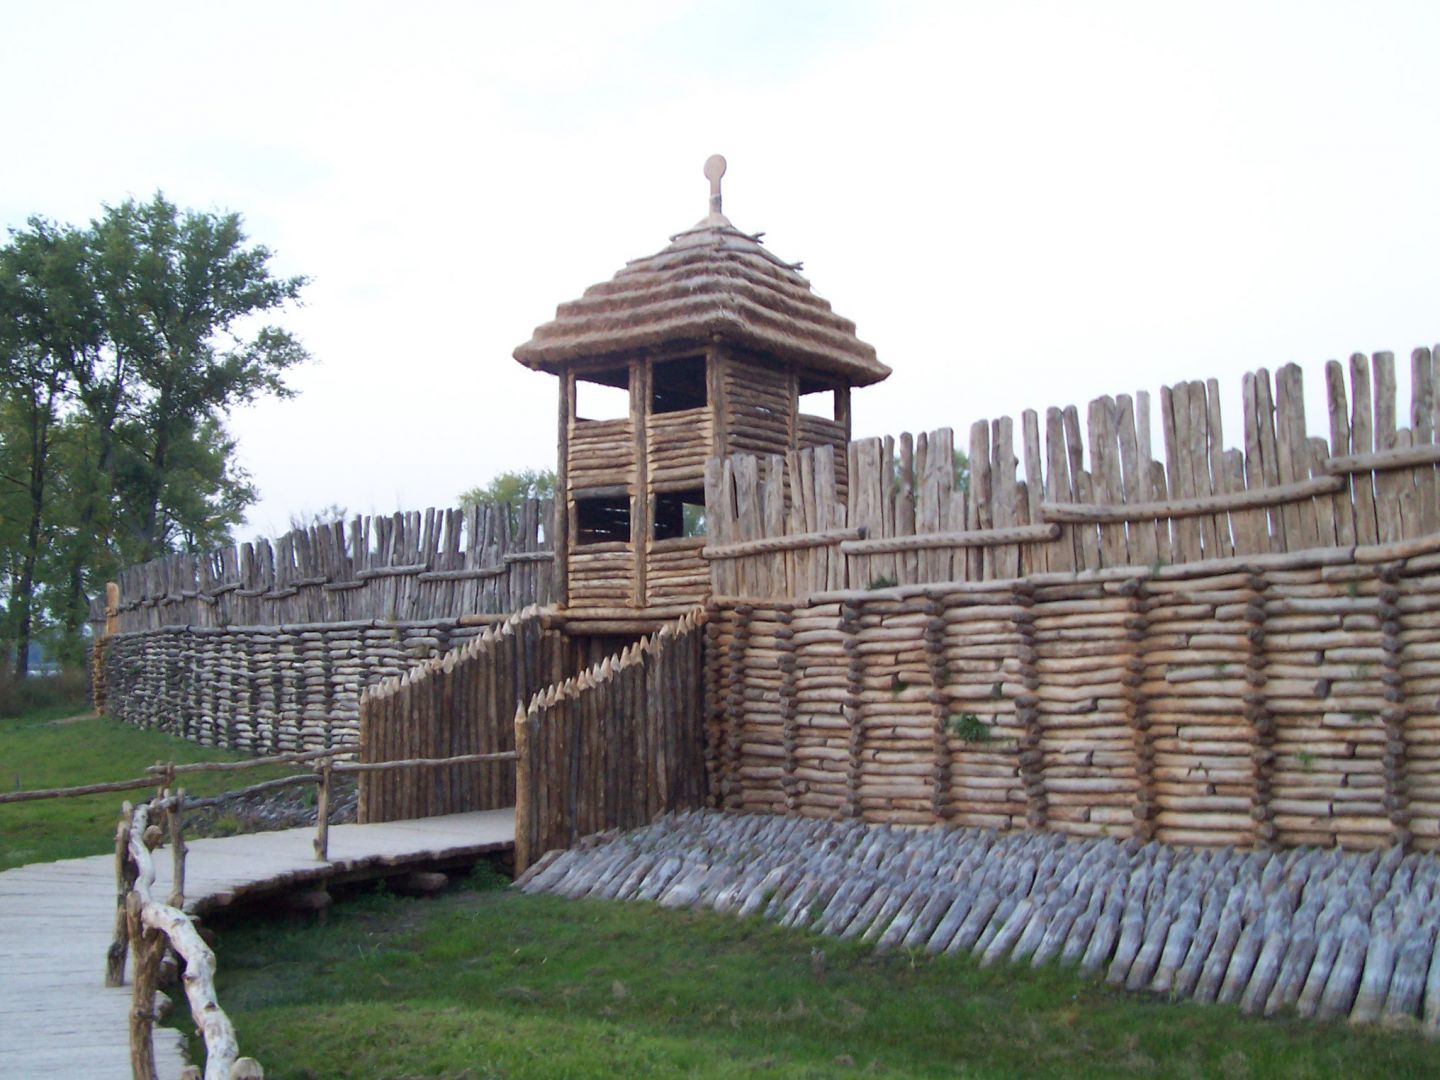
[[56, 922], [1325, 933], [452, 706], [418, 566], [614, 746], [1281, 698], [1092, 496], [275, 689]]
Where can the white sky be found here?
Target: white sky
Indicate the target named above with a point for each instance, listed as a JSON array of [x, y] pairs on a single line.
[[1020, 204]]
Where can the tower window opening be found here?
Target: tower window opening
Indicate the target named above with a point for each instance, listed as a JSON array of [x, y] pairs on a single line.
[[678, 385], [680, 514], [817, 400], [602, 395], [602, 519]]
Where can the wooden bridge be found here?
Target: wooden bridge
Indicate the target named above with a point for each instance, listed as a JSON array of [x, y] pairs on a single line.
[[57, 1018]]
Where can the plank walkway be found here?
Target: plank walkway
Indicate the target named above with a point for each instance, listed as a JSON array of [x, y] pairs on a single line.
[[56, 1016]]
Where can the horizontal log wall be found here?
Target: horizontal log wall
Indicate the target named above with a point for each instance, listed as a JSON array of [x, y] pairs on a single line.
[[1091, 494], [460, 703], [264, 689], [614, 746], [1268, 700], [414, 566], [601, 453]]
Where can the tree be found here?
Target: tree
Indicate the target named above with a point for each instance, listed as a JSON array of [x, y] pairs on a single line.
[[512, 487], [509, 489], [44, 327], [125, 345], [180, 292]]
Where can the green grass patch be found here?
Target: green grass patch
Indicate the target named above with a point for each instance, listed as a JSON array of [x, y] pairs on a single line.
[[61, 746], [488, 983]]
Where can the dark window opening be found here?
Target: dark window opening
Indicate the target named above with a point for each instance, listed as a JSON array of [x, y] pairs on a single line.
[[602, 395], [680, 513], [678, 385], [602, 520]]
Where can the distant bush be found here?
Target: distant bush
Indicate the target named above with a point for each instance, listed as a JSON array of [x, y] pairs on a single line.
[[71, 686]]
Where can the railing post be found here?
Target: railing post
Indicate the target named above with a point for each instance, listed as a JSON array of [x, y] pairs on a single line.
[[178, 848], [150, 946], [322, 813], [124, 882], [523, 794]]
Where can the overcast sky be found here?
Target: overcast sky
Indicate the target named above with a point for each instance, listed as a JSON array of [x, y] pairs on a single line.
[[1019, 204]]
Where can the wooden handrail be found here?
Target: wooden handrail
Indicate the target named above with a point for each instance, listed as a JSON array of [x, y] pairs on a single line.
[[422, 763], [1013, 534], [1255, 498], [70, 792], [152, 927], [160, 775], [327, 770], [250, 763], [147, 927]]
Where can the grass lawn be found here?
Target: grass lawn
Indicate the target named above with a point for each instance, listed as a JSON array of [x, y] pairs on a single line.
[[484, 982], [63, 746]]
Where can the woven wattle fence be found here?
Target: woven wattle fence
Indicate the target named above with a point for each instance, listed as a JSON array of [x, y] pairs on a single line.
[[614, 746]]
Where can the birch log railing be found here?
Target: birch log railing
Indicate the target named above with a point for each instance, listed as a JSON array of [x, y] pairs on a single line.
[[150, 927], [1091, 496], [147, 926], [614, 746]]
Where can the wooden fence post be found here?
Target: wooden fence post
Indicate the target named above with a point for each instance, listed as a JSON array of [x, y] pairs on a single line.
[[150, 946], [124, 881], [322, 813], [523, 781], [176, 820]]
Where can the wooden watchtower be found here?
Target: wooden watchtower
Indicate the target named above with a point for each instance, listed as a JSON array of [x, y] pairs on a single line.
[[722, 348]]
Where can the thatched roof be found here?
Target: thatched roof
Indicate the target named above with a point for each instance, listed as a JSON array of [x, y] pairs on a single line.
[[712, 281]]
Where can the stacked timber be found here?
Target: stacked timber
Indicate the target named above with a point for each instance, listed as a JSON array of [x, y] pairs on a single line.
[[1263, 700], [677, 444], [986, 662], [759, 399], [1417, 766], [1199, 637], [675, 571], [897, 731], [601, 453], [1326, 934], [266, 689]]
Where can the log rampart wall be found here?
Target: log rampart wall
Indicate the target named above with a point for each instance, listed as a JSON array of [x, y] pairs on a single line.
[[1280, 699]]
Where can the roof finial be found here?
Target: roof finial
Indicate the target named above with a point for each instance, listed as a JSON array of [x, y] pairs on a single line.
[[714, 170]]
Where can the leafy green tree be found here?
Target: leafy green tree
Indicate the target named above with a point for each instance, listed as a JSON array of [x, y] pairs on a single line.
[[512, 487], [43, 328], [180, 294], [509, 489], [123, 348]]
